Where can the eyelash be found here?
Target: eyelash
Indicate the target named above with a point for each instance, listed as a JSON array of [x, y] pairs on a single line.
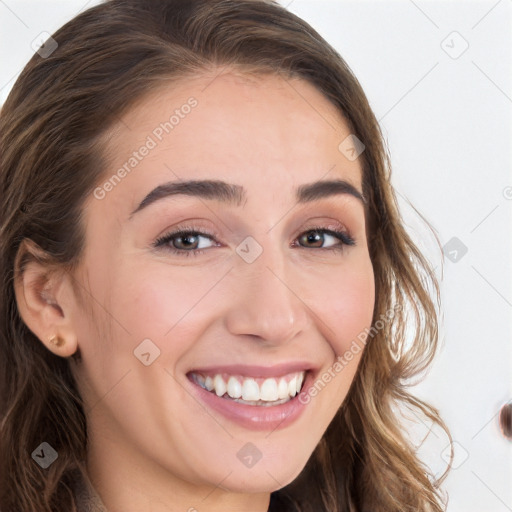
[[344, 238]]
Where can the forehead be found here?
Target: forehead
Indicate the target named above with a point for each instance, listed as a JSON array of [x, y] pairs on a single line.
[[265, 131]]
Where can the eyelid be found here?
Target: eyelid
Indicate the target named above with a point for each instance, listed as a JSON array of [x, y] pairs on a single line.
[[332, 225], [192, 225]]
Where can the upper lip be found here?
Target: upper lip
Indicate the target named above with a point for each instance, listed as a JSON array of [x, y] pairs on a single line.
[[277, 370]]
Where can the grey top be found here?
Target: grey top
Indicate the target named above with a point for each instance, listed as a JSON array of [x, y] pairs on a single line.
[[86, 497]]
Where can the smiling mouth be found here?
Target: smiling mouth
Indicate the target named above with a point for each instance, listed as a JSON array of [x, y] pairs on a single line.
[[265, 392]]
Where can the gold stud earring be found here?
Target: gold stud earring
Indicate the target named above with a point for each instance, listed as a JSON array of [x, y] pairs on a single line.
[[57, 341]]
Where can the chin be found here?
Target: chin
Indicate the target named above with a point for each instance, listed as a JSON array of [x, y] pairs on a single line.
[[264, 479]]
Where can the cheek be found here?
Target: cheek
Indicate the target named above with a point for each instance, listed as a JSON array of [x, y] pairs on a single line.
[[344, 307], [169, 306], [153, 302], [346, 304]]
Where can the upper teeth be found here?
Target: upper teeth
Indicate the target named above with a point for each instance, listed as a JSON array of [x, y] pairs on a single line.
[[252, 389]]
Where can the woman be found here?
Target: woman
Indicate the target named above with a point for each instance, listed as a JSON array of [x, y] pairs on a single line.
[[207, 284]]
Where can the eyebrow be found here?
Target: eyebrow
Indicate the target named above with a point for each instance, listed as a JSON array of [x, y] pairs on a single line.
[[232, 194]]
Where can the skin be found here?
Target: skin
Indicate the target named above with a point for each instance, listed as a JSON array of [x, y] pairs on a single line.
[[152, 446]]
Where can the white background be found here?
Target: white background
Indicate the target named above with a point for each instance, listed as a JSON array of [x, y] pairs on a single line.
[[446, 118]]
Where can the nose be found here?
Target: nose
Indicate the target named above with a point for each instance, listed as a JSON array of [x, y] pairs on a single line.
[[266, 301]]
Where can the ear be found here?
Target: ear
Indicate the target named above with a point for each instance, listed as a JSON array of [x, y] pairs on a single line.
[[45, 299]]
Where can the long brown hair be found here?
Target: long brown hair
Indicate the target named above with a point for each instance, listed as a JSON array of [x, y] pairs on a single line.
[[53, 154]]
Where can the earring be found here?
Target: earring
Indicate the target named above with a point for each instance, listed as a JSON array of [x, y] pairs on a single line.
[[57, 340]]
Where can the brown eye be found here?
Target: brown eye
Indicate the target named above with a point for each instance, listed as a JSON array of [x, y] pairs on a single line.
[[312, 237], [316, 237], [189, 241]]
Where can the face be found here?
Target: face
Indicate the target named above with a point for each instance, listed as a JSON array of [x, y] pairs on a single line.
[[259, 287]]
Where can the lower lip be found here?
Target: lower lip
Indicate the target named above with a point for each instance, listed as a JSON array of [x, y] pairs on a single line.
[[256, 417]]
